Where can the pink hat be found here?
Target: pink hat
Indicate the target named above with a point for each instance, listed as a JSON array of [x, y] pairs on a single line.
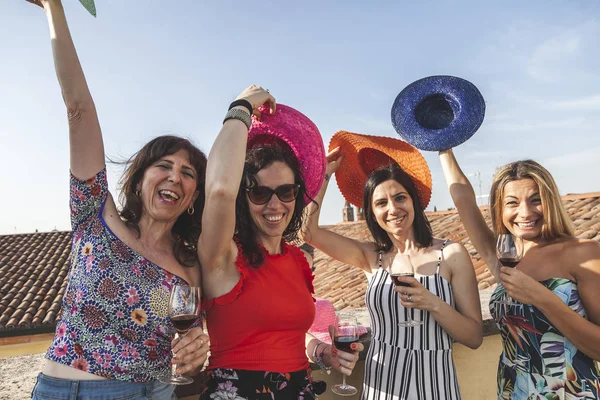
[[300, 134], [325, 316]]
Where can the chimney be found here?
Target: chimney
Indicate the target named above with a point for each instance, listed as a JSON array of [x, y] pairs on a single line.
[[360, 214], [348, 212]]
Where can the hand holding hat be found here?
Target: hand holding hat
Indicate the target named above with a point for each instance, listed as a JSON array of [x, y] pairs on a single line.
[[260, 100], [334, 160]]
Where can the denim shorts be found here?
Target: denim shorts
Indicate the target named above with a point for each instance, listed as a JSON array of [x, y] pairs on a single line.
[[48, 388]]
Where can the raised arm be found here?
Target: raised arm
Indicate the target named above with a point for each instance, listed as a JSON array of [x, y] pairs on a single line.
[[86, 147], [341, 248], [464, 199], [223, 176]]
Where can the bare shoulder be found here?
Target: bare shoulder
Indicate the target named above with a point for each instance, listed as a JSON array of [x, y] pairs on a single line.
[[455, 254], [584, 253], [587, 247], [450, 248], [575, 249]]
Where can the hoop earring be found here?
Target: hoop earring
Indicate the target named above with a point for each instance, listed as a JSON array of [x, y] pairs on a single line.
[[137, 193], [191, 210]]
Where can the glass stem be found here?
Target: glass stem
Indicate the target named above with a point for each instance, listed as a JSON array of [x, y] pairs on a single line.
[[174, 366], [174, 369], [344, 380], [408, 315]]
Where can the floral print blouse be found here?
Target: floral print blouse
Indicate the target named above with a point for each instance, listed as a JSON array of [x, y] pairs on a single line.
[[114, 319]]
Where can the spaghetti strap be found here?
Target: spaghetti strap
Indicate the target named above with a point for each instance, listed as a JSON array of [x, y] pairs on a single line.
[[380, 261], [437, 271]]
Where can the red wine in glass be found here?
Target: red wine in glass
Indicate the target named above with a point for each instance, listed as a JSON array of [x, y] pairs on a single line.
[[509, 250], [184, 310], [508, 262], [183, 322], [345, 332], [397, 282], [344, 342], [401, 266]]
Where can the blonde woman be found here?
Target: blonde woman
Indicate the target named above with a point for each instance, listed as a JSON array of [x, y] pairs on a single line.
[[550, 334]]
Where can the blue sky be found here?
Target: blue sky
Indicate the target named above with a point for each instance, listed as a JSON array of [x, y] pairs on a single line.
[[173, 67]]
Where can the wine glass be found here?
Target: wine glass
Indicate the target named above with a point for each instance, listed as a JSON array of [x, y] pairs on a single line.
[[402, 266], [345, 332], [509, 250], [184, 310]]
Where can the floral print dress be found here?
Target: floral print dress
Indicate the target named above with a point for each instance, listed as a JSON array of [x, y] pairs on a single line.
[[236, 384], [114, 312], [538, 362]]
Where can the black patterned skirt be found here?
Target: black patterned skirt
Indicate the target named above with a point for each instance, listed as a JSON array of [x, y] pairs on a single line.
[[238, 384]]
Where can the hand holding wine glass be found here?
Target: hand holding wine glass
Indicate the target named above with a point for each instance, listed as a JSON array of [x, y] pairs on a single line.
[[345, 333], [401, 266], [191, 351], [509, 250], [184, 309]]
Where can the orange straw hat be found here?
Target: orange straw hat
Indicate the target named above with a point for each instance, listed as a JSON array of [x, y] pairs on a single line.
[[364, 154]]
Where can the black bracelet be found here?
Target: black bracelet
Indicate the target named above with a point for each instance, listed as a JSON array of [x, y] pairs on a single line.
[[243, 103]]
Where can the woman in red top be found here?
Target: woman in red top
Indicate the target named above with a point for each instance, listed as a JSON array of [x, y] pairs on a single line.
[[258, 287]]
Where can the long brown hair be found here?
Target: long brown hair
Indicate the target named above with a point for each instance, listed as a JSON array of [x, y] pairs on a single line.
[[557, 223], [187, 228]]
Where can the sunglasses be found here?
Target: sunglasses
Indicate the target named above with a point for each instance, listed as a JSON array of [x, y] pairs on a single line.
[[260, 195]]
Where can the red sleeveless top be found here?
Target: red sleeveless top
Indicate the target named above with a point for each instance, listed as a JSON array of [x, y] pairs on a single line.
[[261, 323]]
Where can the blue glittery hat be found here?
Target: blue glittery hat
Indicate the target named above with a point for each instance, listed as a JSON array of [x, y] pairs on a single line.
[[438, 112]]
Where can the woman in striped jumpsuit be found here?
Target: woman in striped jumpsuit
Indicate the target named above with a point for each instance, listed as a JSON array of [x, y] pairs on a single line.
[[406, 363]]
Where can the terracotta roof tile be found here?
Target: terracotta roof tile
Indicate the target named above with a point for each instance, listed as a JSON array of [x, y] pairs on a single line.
[[345, 286], [33, 268]]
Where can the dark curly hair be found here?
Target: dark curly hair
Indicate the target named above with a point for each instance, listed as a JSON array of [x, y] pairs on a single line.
[[422, 228], [257, 158], [187, 228]]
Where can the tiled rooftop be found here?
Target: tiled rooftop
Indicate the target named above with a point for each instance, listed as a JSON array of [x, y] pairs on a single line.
[[34, 267], [345, 285]]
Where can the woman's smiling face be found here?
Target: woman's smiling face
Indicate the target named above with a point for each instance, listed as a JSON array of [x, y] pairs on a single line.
[[522, 212]]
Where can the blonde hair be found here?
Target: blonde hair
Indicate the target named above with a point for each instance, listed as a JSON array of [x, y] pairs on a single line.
[[557, 223]]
